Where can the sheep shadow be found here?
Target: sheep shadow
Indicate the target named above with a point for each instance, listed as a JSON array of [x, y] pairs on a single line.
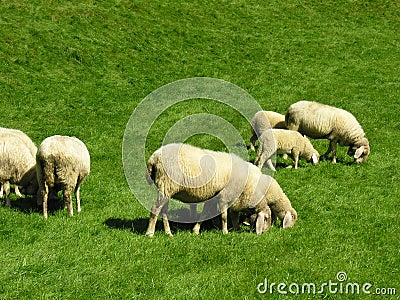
[[28, 205], [139, 225]]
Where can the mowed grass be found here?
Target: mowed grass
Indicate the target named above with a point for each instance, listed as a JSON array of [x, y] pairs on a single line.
[[81, 68]]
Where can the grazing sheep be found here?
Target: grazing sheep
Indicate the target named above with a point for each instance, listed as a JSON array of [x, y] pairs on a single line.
[[26, 139], [264, 120], [194, 175], [63, 163], [17, 165], [320, 121], [287, 142]]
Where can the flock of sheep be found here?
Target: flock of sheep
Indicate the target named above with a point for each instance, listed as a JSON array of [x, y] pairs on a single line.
[[193, 175], [60, 163], [190, 174]]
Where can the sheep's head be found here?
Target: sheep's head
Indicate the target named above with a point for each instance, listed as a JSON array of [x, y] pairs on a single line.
[[289, 219], [360, 151], [29, 182], [312, 154]]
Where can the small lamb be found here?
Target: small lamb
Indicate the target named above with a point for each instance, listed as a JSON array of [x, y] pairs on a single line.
[[264, 120], [17, 165], [194, 175], [63, 163], [320, 121], [288, 142]]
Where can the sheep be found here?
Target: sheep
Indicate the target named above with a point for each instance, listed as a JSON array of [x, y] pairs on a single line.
[[264, 120], [17, 165], [194, 175], [31, 146], [62, 163], [288, 142], [320, 121]]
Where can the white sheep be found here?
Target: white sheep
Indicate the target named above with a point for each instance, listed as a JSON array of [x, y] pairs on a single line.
[[283, 141], [26, 139], [63, 163], [194, 175], [264, 120], [17, 165], [320, 121]]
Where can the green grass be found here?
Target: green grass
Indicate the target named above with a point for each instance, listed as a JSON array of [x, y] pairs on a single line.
[[81, 68]]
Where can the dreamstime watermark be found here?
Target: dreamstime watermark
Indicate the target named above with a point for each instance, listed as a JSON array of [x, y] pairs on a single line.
[[338, 286], [151, 108]]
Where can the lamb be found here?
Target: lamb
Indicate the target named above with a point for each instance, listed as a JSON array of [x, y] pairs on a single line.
[[62, 163], [264, 120], [194, 175], [320, 121], [288, 142], [31, 146], [17, 165]]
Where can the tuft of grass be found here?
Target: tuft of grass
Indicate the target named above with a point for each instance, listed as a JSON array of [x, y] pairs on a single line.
[[81, 68]]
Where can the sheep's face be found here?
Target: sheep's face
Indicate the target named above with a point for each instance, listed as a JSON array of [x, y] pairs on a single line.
[[289, 219], [360, 152], [314, 158]]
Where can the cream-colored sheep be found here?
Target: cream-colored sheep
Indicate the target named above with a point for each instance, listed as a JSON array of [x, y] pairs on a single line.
[[17, 165], [194, 175], [320, 121], [26, 139], [283, 141], [264, 120], [63, 163]]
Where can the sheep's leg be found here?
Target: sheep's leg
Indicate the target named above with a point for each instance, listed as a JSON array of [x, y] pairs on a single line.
[[332, 147], [295, 154], [67, 195], [1, 190], [261, 160], [7, 192], [208, 205], [155, 211], [333, 152], [44, 193], [260, 222], [235, 220], [164, 216], [253, 140], [78, 197], [270, 164], [16, 191], [224, 218]]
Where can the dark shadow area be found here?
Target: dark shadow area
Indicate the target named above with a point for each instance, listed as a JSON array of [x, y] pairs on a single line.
[[28, 205], [139, 225]]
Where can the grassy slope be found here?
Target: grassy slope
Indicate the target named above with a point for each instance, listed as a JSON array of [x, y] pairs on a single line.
[[81, 68]]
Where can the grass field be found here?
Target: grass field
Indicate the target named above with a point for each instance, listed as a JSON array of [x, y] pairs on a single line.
[[81, 67]]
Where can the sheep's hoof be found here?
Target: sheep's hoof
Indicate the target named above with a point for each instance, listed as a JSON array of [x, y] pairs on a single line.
[[150, 234]]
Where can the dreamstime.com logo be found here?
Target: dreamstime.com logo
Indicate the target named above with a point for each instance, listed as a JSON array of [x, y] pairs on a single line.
[[159, 101], [339, 286]]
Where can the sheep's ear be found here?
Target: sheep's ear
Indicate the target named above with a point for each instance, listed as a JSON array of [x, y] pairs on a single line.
[[314, 159], [287, 220], [359, 152]]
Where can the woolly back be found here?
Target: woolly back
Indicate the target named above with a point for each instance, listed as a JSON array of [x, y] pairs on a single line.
[[15, 158]]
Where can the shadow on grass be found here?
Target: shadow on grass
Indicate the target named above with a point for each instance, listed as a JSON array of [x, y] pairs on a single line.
[[139, 225], [28, 205]]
